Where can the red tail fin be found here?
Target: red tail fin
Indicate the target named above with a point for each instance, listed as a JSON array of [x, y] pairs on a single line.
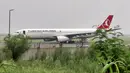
[[106, 23]]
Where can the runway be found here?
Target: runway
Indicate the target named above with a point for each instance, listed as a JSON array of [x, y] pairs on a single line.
[[49, 45], [41, 44]]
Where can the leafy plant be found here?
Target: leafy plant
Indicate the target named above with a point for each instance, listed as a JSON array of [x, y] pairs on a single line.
[[108, 50], [17, 44], [5, 64], [109, 66]]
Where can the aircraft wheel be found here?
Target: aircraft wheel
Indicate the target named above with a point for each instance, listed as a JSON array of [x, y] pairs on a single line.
[[60, 44], [78, 44]]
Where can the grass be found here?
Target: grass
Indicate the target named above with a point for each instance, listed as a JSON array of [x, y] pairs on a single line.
[[62, 60], [42, 67], [78, 63], [66, 62], [33, 67]]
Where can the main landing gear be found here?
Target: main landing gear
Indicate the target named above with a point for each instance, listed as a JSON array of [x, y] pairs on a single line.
[[83, 42], [60, 44]]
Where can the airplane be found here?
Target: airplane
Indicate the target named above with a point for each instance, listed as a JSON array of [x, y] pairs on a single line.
[[62, 35]]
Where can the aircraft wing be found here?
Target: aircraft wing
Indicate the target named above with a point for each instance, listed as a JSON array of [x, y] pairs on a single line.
[[87, 35], [79, 35]]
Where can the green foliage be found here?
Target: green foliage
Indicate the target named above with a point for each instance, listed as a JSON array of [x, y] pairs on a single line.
[[107, 50], [5, 64], [109, 66], [62, 55], [48, 66], [105, 55], [17, 44]]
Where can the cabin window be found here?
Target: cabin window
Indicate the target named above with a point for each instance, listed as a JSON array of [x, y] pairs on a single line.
[[24, 32]]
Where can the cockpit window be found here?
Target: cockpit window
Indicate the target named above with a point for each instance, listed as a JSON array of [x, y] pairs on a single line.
[[24, 32]]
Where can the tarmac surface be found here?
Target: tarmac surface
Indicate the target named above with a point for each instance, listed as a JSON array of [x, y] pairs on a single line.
[[43, 44], [50, 45]]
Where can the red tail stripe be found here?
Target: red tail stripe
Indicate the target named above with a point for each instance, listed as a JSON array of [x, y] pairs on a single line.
[[106, 23]]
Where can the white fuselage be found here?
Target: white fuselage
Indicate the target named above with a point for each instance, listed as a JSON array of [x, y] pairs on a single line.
[[63, 34], [50, 33]]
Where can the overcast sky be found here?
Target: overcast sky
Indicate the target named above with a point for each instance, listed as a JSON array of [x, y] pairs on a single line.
[[63, 13]]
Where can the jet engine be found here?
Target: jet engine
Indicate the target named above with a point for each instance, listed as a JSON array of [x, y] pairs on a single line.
[[62, 38]]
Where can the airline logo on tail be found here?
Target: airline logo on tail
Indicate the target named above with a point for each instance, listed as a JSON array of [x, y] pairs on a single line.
[[106, 23]]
